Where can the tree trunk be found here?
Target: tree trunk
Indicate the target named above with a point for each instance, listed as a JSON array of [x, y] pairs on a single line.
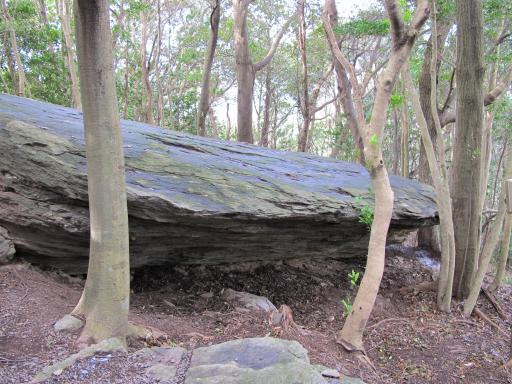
[[396, 143], [266, 111], [467, 162], [492, 240], [306, 112], [65, 19], [504, 250], [204, 100], [146, 67], [429, 238], [351, 336], [14, 46], [246, 69], [404, 140], [344, 85], [106, 296]]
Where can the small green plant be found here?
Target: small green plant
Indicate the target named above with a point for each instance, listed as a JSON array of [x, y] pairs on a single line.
[[366, 212], [354, 278], [347, 306], [347, 301]]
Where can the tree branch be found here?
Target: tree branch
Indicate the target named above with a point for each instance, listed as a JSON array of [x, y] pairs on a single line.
[[270, 54], [397, 25], [449, 116]]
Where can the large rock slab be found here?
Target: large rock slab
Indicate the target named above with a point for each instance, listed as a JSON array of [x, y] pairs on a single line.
[[253, 361], [190, 199]]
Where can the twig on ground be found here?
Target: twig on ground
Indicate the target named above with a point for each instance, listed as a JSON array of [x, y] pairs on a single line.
[[486, 318], [495, 304]]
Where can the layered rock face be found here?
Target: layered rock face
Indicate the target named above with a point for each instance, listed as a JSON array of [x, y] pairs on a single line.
[[191, 200]]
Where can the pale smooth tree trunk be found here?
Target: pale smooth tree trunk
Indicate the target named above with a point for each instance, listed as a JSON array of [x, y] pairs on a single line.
[[429, 237], [492, 240], [146, 67], [65, 20], [246, 69], [204, 99], [467, 156], [404, 140], [351, 336], [21, 85], [106, 296], [503, 257], [266, 108], [345, 89], [306, 112]]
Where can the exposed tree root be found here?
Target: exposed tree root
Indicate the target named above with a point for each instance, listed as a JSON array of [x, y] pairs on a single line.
[[495, 304], [283, 319], [486, 318], [108, 345], [421, 287]]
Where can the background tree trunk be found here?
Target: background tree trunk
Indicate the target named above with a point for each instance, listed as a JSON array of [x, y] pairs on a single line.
[[306, 112], [467, 163], [65, 19], [204, 99], [106, 296]]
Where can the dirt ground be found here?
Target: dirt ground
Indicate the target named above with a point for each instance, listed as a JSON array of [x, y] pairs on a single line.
[[407, 340]]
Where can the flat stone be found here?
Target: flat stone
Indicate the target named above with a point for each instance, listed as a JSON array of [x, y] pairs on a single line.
[[249, 300], [68, 323], [161, 371], [253, 361], [332, 373]]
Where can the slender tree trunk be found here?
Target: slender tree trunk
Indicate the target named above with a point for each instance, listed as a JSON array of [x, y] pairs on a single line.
[[146, 67], [351, 336], [160, 96], [15, 52], [106, 296], [228, 119], [404, 140], [396, 145], [65, 19], [504, 249], [246, 69], [44, 20], [344, 86], [429, 237], [492, 240], [204, 100], [467, 156], [266, 108], [306, 112]]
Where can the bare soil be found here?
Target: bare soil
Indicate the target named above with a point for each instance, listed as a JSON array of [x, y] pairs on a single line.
[[407, 339]]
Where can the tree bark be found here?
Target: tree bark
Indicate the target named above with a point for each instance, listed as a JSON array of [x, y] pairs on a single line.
[[429, 238], [204, 99], [492, 240], [65, 19], [146, 68], [504, 250], [246, 69], [344, 84], [106, 296], [351, 336], [467, 162], [266, 108], [306, 112]]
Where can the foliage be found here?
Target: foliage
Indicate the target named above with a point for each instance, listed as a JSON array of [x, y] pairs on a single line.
[[366, 212]]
